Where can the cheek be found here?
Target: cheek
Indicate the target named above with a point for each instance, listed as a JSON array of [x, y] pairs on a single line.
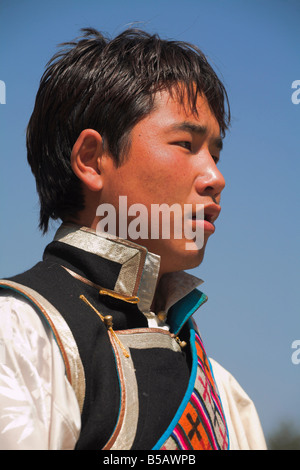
[[163, 169], [154, 176]]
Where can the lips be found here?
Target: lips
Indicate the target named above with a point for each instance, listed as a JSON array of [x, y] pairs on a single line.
[[211, 212], [210, 215]]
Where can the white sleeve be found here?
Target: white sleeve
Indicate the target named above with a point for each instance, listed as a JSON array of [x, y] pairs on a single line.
[[244, 427], [38, 407]]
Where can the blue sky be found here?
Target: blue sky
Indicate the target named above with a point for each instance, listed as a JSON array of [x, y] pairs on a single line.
[[251, 269]]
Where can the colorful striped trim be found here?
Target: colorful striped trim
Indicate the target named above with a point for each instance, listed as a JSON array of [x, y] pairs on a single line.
[[202, 425]]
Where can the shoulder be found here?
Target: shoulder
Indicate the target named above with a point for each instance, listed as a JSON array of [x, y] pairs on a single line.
[[32, 368], [19, 318], [244, 427]]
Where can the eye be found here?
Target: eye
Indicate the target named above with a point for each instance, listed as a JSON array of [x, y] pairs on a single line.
[[215, 159], [185, 144]]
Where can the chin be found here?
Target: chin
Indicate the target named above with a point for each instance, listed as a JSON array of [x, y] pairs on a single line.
[[193, 259], [178, 259]]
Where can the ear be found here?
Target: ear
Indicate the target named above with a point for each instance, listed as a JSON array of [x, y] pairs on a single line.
[[85, 159]]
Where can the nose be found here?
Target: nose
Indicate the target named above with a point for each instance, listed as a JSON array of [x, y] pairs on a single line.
[[210, 181]]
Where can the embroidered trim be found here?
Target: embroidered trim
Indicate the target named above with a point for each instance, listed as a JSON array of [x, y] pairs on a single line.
[[200, 422], [116, 438]]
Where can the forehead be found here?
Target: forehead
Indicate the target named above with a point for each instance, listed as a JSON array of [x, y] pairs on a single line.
[[173, 112]]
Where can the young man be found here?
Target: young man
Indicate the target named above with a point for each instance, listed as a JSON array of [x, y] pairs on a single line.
[[99, 347]]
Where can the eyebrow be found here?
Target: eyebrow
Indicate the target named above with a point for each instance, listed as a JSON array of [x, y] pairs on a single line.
[[196, 129]]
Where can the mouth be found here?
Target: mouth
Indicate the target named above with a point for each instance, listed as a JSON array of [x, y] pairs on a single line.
[[207, 217]]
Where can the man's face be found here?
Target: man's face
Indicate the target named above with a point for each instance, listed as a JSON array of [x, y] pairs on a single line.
[[172, 160]]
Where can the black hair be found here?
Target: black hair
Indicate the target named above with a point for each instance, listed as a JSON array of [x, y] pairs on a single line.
[[107, 85]]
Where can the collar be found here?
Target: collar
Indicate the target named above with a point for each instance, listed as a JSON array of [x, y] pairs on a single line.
[[138, 272]]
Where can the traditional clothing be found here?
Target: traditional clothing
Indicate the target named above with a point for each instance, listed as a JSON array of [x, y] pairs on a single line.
[[86, 364]]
